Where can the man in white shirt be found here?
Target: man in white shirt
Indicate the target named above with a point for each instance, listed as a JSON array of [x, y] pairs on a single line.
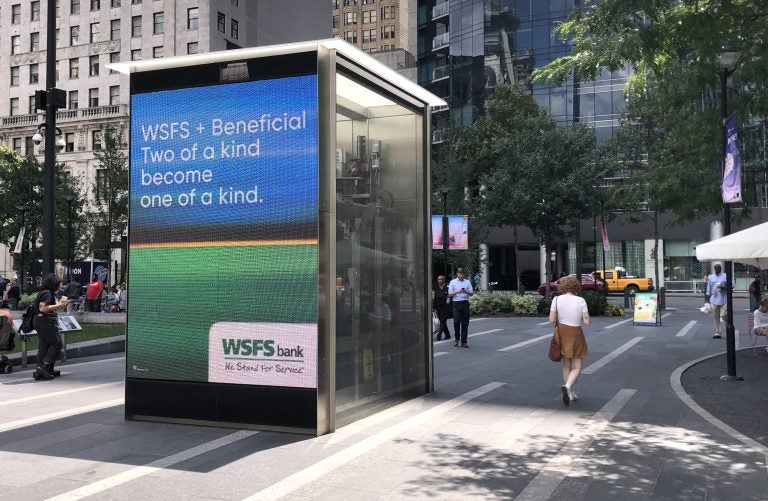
[[761, 320], [716, 289], [459, 290]]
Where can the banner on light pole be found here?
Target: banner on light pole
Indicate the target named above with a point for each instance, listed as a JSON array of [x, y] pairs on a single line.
[[19, 242], [731, 163], [604, 234]]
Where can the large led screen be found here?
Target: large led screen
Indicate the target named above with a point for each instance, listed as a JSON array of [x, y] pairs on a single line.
[[223, 234]]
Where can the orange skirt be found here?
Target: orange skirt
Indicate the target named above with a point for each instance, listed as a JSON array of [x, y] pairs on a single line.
[[572, 342]]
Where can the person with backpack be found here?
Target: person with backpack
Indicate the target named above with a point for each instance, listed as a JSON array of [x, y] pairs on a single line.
[[755, 293], [46, 323]]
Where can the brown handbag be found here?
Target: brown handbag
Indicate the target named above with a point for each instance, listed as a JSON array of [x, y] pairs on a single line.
[[554, 345]]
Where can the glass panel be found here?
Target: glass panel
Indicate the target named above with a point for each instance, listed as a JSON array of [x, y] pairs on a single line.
[[380, 333]]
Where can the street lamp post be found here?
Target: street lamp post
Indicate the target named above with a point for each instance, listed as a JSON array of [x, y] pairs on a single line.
[[728, 65], [444, 194], [69, 198], [50, 100]]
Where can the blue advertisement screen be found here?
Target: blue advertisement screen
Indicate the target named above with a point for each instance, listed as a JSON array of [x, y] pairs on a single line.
[[223, 233]]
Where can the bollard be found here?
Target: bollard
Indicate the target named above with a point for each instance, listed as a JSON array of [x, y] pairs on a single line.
[[626, 299], [662, 298]]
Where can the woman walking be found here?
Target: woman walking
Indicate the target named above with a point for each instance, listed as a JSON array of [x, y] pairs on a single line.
[[570, 311], [46, 324]]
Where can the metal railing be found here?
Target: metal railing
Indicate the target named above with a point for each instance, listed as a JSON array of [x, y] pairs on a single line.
[[441, 40], [441, 72], [440, 10]]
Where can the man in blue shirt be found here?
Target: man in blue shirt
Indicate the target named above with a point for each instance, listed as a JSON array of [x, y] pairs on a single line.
[[459, 290], [716, 289]]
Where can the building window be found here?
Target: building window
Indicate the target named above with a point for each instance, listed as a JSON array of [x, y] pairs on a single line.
[[14, 76], [93, 66], [368, 2], [34, 73], [235, 3], [32, 105], [114, 57], [350, 2], [15, 44], [192, 48], [34, 42], [74, 35], [17, 145], [114, 29], [101, 174], [235, 29], [369, 36], [388, 12], [158, 23], [69, 142], [136, 27], [350, 36], [369, 16], [114, 94], [16, 14], [388, 32], [95, 4], [34, 14], [334, 4], [14, 106], [74, 68], [114, 3], [57, 37], [136, 2], [335, 22], [222, 22], [74, 7], [192, 18], [157, 52], [29, 146], [95, 29], [350, 18], [135, 54], [93, 98], [73, 100], [58, 9]]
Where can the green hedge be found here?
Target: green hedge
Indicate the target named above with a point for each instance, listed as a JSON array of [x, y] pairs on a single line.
[[527, 304], [503, 302]]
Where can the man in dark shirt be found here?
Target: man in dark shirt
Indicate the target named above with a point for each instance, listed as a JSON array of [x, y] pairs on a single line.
[[441, 306]]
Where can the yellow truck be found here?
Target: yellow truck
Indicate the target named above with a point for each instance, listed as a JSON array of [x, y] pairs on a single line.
[[617, 280]]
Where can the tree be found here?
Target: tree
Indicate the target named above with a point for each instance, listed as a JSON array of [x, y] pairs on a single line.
[[110, 216], [21, 191], [673, 48], [536, 174]]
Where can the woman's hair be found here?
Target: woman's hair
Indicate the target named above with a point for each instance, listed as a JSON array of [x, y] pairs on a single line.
[[568, 284], [51, 283]]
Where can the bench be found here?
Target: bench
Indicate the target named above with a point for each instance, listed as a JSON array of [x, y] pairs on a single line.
[[66, 324]]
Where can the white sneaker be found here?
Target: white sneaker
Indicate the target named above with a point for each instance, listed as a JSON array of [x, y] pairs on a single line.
[[573, 396]]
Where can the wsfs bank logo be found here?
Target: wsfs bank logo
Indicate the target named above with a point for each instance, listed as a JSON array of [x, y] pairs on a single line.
[[259, 347]]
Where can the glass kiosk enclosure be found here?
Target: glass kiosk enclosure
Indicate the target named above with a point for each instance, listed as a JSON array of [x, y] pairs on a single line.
[[279, 238]]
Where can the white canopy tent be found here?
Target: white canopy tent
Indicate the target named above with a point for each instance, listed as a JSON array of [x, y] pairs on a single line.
[[748, 246]]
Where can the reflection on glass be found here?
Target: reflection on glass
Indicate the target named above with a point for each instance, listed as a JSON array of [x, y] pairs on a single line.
[[380, 337]]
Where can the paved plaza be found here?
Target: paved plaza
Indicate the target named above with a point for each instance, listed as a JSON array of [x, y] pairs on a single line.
[[653, 421]]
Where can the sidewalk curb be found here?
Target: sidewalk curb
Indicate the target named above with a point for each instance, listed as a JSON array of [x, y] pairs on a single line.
[[91, 348], [675, 381]]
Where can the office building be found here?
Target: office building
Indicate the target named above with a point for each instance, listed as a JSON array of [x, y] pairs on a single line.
[[93, 33], [467, 47]]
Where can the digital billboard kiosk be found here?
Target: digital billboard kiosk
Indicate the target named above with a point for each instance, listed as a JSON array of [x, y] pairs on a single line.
[[241, 164]]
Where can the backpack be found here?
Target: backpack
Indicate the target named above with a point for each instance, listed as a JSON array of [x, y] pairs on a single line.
[[27, 320]]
